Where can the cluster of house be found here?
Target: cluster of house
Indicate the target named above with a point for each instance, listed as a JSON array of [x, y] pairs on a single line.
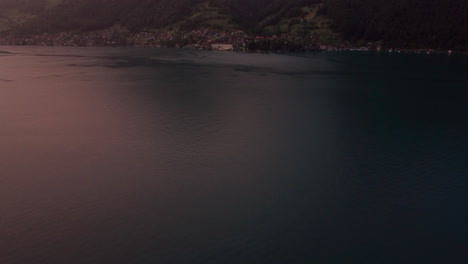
[[96, 38], [198, 39], [204, 39], [240, 41], [379, 48]]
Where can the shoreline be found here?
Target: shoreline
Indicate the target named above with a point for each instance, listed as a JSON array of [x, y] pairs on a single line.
[[349, 50], [206, 39]]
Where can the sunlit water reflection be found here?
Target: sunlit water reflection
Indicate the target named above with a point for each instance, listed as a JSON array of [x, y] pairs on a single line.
[[112, 155]]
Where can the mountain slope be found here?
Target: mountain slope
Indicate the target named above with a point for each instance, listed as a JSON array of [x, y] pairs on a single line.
[[143, 14], [397, 23], [16, 12], [403, 23]]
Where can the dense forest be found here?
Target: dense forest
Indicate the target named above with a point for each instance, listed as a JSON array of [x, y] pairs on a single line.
[[143, 14], [398, 23], [403, 23]]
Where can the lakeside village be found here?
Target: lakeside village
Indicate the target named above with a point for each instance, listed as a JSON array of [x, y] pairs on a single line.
[[197, 39]]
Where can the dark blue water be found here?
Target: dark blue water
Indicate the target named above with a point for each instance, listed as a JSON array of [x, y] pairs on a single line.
[[179, 156]]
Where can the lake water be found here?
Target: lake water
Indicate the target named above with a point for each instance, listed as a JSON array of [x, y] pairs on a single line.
[[113, 155]]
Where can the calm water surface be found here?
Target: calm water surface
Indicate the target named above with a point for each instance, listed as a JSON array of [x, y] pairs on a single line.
[[112, 155]]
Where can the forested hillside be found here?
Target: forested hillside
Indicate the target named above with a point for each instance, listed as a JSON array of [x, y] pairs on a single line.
[[398, 23], [403, 23], [17, 12], [144, 14]]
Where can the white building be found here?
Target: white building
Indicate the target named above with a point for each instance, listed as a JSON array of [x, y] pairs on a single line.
[[222, 47]]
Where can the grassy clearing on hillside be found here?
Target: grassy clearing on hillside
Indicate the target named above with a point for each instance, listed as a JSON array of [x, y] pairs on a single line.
[[13, 17], [205, 16], [52, 3], [306, 21]]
